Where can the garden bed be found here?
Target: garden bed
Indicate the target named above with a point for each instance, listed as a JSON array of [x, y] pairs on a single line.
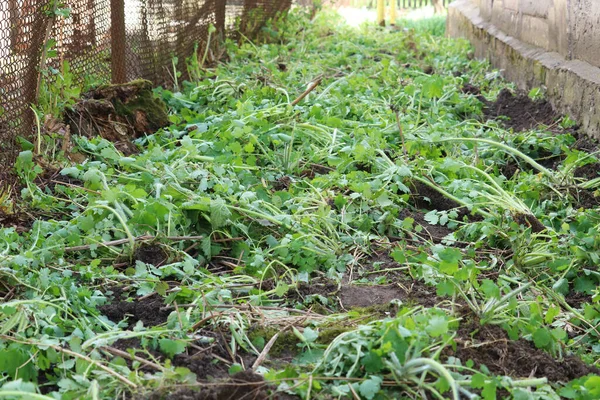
[[334, 213]]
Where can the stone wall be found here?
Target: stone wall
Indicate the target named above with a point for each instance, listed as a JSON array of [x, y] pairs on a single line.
[[555, 43]]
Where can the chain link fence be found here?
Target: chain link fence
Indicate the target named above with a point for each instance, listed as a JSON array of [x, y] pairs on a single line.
[[102, 41]]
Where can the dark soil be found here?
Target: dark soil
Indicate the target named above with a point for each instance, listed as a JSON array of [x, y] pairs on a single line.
[[529, 220], [317, 286], [282, 183], [585, 143], [428, 69], [522, 112], [372, 295], [435, 233], [490, 346], [151, 253], [312, 170], [510, 169], [588, 171], [22, 222], [576, 299], [200, 362], [323, 287], [150, 310], [470, 89], [423, 196], [52, 181], [583, 198]]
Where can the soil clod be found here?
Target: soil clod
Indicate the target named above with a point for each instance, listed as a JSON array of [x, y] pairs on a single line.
[[490, 346], [522, 112], [146, 309]]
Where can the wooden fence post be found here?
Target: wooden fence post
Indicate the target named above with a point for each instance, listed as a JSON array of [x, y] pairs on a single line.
[[118, 41]]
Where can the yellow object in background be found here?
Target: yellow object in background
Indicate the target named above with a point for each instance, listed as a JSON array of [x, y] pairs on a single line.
[[381, 12], [392, 12]]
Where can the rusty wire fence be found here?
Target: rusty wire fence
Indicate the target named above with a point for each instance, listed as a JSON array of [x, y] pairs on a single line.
[[102, 41]]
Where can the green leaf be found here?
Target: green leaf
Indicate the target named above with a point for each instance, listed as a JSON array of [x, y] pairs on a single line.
[[219, 213], [92, 176], [592, 384], [369, 388], [489, 391], [17, 361], [398, 255], [584, 284], [372, 362], [172, 347], [310, 335], [235, 368], [432, 217], [161, 288], [24, 143], [445, 288], [541, 338], [437, 326], [490, 288], [520, 394], [478, 381]]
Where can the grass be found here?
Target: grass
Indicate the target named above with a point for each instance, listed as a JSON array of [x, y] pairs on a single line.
[[362, 242]]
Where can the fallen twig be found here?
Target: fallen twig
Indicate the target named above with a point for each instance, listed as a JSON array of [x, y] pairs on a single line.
[[310, 88], [125, 354]]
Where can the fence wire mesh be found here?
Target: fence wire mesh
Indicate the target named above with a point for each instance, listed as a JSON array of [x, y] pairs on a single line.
[[102, 41]]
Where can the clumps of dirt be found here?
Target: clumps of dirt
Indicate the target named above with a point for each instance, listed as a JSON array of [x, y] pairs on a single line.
[[20, 221], [435, 233], [470, 89], [530, 221], [119, 113], [584, 142], [148, 309], [576, 299], [323, 287], [282, 183], [588, 171], [369, 295], [583, 198], [509, 169], [364, 296], [428, 69], [522, 112], [489, 345], [426, 197], [152, 254], [312, 170]]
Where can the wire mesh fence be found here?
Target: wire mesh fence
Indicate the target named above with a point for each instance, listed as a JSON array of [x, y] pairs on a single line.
[[99, 41]]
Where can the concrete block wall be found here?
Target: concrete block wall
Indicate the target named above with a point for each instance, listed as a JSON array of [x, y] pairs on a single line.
[[555, 43]]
